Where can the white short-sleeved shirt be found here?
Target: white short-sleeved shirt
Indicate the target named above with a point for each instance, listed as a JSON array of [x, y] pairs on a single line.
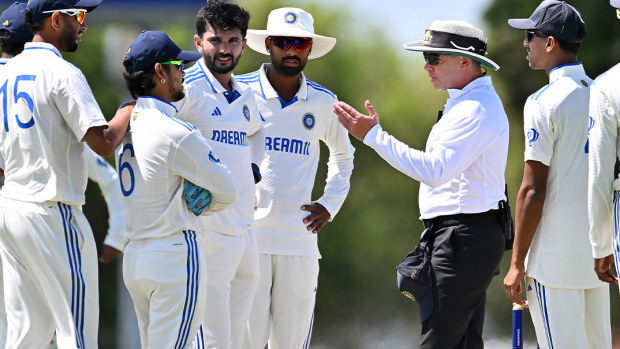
[[3, 61], [292, 134], [556, 131], [232, 125], [604, 146], [50, 107], [156, 155], [462, 168]]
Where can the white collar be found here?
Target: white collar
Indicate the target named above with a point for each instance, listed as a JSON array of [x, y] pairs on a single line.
[[215, 84], [270, 92], [42, 46], [481, 81], [573, 70], [156, 103]]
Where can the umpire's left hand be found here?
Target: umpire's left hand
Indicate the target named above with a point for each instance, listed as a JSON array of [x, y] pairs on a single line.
[[318, 217]]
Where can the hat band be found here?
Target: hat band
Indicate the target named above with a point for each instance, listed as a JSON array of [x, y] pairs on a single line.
[[437, 39]]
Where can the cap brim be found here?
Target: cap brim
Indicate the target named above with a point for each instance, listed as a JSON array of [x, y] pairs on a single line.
[[521, 23], [88, 5], [321, 45], [420, 47], [189, 56]]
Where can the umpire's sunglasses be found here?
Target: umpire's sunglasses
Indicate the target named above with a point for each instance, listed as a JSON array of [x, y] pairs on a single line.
[[530, 34], [79, 13], [285, 42], [433, 58], [179, 63]]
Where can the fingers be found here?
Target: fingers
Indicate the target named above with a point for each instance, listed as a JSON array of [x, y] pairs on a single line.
[[370, 108]]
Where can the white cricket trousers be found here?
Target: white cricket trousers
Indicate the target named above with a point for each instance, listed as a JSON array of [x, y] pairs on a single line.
[[283, 310], [50, 275], [232, 277], [570, 318], [165, 278]]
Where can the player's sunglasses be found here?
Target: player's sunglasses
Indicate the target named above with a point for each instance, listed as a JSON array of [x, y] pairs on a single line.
[[179, 63], [433, 58], [285, 42], [79, 13], [530, 34]]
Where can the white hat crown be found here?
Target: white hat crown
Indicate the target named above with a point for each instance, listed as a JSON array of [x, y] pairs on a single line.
[[457, 27], [290, 19]]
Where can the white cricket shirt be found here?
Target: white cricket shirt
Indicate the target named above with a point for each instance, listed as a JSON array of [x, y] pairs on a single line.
[[604, 145], [292, 134], [555, 120], [462, 168], [231, 123], [49, 107], [158, 152], [105, 176]]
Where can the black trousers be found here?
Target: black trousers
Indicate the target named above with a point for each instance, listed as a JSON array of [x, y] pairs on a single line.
[[466, 253]]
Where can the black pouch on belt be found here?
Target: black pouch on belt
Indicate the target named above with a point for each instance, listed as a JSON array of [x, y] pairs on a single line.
[[508, 224]]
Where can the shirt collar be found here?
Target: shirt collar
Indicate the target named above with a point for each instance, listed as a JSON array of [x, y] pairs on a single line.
[[481, 81], [156, 103], [42, 46], [269, 91], [4, 61], [215, 84], [573, 70]]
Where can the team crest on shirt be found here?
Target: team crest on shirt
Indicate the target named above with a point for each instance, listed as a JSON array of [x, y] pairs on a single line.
[[246, 112], [532, 136], [290, 17], [308, 121]]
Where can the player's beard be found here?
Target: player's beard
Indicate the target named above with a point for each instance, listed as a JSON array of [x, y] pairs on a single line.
[[69, 37], [214, 68], [177, 95], [288, 71]]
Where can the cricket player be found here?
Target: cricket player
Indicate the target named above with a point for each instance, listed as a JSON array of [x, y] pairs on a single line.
[[603, 201], [298, 114], [225, 112], [47, 247], [568, 304], [163, 265]]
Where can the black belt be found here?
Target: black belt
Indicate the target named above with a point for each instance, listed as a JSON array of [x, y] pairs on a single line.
[[490, 216]]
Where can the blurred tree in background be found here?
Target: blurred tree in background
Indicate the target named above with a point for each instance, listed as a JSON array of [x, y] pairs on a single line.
[[358, 304]]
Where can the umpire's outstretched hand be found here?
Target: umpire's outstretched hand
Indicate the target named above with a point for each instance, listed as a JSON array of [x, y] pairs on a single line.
[[318, 217], [355, 122]]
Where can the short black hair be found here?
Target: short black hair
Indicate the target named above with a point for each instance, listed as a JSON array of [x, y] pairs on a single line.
[[10, 48], [37, 26], [140, 83], [222, 15]]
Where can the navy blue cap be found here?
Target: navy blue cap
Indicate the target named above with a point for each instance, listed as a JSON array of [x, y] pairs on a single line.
[[414, 277], [152, 47], [615, 3], [554, 18], [36, 8], [13, 20]]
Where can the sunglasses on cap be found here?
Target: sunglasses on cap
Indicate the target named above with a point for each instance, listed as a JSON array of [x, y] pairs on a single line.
[[285, 42], [530, 34], [433, 58], [79, 13], [179, 63]]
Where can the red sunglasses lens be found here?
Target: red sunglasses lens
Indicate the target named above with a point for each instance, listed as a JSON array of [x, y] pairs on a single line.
[[285, 43]]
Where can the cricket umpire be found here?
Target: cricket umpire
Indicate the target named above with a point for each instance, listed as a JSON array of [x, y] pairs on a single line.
[[462, 180]]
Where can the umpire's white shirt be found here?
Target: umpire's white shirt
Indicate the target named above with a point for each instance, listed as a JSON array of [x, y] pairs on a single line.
[[292, 134], [604, 146], [235, 132], [41, 145], [555, 124], [462, 168], [156, 155]]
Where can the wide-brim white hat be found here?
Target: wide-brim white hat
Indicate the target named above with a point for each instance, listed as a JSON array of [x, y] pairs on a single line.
[[454, 37], [293, 22]]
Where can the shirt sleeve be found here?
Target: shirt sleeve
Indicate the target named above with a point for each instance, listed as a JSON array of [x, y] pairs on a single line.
[[339, 165], [452, 147], [540, 132], [193, 159], [77, 105], [256, 138], [105, 176], [603, 145]]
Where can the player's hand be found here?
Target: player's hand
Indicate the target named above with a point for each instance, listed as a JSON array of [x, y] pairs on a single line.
[[108, 254], [318, 217], [512, 283], [355, 122], [197, 198], [603, 271]]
